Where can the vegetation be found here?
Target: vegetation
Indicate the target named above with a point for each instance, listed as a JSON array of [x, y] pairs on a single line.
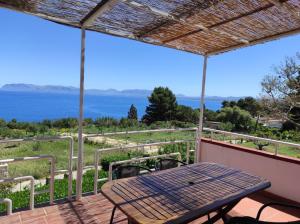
[[238, 119], [281, 97], [132, 113], [39, 169], [162, 106], [21, 198]]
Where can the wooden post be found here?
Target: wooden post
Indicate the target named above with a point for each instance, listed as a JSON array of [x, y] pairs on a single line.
[[80, 120], [200, 127]]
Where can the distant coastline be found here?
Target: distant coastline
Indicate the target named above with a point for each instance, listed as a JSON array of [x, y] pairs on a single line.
[[22, 87]]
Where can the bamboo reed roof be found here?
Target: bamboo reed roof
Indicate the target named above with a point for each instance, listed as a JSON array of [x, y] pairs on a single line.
[[203, 27]]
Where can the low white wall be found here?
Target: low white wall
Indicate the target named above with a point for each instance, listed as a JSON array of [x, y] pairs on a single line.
[[283, 175]]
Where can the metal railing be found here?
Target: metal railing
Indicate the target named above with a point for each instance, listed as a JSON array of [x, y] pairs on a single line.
[[52, 173], [8, 203], [141, 131], [276, 143], [71, 156], [142, 159], [31, 179], [95, 166], [140, 146]]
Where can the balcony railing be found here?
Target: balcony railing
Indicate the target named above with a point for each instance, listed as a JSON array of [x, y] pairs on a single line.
[[210, 133]]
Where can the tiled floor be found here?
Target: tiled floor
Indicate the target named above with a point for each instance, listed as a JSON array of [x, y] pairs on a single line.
[[96, 209]]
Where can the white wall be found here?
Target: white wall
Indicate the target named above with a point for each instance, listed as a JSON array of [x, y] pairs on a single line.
[[283, 175]]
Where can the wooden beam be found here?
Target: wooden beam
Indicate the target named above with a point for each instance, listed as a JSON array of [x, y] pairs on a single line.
[[267, 6], [179, 20], [258, 41], [101, 8], [212, 27]]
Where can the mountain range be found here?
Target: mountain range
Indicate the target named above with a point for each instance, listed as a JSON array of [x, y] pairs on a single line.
[[21, 87]]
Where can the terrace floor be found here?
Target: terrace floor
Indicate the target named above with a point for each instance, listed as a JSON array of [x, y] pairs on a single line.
[[96, 209]]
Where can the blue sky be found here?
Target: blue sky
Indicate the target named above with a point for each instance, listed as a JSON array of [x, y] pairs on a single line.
[[40, 52]]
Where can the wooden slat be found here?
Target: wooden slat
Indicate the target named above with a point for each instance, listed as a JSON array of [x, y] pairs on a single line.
[[181, 194]]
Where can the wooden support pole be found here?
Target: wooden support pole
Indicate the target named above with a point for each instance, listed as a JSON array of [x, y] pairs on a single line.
[[80, 120], [200, 127]]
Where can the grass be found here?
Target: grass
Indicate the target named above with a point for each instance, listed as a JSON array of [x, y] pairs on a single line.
[[38, 169], [60, 150]]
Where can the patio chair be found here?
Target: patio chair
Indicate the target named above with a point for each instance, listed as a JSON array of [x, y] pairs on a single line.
[[168, 163], [250, 220], [130, 170], [125, 171]]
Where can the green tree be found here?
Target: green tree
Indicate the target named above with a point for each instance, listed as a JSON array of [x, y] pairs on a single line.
[[226, 103], [12, 124], [241, 119], [32, 128], [162, 106], [187, 114], [249, 104], [210, 115], [132, 113]]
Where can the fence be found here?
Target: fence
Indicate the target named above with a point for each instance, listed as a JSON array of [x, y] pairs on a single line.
[[31, 179], [142, 159], [211, 134], [141, 146], [71, 156], [52, 175], [276, 143]]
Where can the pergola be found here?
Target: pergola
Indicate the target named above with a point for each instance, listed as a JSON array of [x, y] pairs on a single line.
[[202, 27]]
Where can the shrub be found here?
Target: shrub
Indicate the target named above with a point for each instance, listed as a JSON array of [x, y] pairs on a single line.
[[112, 157], [181, 148], [21, 199], [226, 126]]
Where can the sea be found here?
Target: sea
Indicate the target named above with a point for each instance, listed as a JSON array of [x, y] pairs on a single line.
[[34, 107]]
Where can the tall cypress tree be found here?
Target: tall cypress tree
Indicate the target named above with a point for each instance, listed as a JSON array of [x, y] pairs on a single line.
[[132, 113]]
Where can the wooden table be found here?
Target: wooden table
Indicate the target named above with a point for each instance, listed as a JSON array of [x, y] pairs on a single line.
[[182, 194]]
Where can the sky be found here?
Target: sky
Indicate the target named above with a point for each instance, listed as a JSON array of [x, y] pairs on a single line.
[[36, 51]]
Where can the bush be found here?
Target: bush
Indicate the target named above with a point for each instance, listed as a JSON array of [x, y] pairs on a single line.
[[106, 122], [181, 148], [113, 157], [241, 119], [125, 123], [226, 126], [21, 199]]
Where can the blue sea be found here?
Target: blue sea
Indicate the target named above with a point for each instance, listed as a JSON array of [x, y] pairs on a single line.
[[29, 106]]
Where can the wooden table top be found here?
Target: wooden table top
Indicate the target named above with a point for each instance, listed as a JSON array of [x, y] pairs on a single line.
[[181, 194]]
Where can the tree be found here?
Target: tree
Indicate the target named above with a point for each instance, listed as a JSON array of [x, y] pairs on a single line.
[[132, 113], [187, 114], [281, 91], [162, 106], [12, 124], [226, 103], [32, 128], [241, 119], [210, 115], [249, 104]]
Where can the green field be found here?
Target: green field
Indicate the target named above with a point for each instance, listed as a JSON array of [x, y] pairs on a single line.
[[38, 169], [60, 150]]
